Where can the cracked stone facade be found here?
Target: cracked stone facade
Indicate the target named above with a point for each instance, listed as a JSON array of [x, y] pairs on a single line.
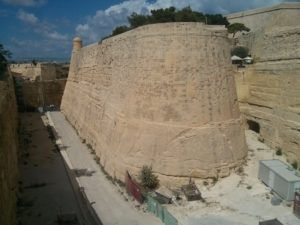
[[162, 95]]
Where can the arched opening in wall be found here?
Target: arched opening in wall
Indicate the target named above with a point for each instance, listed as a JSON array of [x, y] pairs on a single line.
[[253, 125]]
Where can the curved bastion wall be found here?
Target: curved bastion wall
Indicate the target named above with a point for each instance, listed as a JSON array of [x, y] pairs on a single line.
[[160, 95]]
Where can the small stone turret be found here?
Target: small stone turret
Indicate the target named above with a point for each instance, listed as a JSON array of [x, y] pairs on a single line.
[[77, 43]]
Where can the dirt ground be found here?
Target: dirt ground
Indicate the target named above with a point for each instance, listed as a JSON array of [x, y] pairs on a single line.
[[240, 199], [45, 189]]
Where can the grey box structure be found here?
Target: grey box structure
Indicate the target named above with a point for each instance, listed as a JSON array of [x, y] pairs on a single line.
[[280, 177]]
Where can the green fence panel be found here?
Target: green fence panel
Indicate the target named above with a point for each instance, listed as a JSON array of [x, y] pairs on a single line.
[[161, 212], [169, 219], [151, 205]]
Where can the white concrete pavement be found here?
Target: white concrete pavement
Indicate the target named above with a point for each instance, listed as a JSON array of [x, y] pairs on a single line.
[[103, 196]]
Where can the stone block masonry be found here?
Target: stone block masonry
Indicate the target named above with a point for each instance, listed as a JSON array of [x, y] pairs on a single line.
[[8, 153], [161, 95], [39, 85], [269, 90]]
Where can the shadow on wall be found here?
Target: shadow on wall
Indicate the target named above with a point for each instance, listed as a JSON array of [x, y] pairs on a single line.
[[35, 95], [254, 126]]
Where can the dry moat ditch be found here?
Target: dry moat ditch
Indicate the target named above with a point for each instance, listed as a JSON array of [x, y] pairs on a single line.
[[45, 190]]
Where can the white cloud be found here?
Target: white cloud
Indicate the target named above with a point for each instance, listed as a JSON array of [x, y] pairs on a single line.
[[40, 27], [25, 2], [56, 36], [34, 49], [27, 17], [104, 21]]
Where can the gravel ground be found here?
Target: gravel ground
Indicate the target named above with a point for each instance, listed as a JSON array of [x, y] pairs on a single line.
[[238, 199]]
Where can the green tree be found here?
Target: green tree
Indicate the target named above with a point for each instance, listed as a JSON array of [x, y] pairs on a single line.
[[120, 30], [216, 19], [188, 15], [148, 179], [237, 27], [136, 20], [34, 62], [240, 51], [170, 15], [162, 15], [4, 55]]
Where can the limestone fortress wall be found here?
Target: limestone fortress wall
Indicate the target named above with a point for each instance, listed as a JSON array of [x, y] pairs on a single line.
[[161, 95], [265, 18], [8, 153], [39, 85], [269, 90], [40, 71]]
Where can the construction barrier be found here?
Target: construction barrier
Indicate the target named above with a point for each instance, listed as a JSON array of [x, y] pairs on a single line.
[[160, 211], [133, 188]]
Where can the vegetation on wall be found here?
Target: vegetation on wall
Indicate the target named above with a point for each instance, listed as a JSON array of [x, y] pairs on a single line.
[[170, 14], [4, 55], [237, 27], [148, 179], [240, 51]]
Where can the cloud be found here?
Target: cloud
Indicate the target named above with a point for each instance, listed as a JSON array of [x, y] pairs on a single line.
[[27, 17], [43, 28], [38, 49], [104, 21], [56, 36], [25, 2]]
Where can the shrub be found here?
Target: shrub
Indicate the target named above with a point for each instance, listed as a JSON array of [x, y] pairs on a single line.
[[240, 51], [295, 165], [97, 159], [148, 179], [278, 151]]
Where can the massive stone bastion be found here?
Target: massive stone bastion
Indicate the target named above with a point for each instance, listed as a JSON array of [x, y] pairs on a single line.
[[161, 95]]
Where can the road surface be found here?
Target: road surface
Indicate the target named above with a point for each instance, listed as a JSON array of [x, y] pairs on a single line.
[[103, 196]]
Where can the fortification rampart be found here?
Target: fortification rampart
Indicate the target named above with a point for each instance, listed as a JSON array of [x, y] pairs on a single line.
[[39, 85], [160, 95], [269, 91], [269, 17], [8, 153], [40, 71]]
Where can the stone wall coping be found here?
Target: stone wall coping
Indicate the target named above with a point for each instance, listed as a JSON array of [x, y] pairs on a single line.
[[281, 6]]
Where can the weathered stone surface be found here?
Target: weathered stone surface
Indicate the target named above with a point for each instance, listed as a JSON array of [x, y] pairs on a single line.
[[39, 85], [269, 91], [34, 94], [40, 71], [269, 94], [160, 95], [266, 18], [8, 153]]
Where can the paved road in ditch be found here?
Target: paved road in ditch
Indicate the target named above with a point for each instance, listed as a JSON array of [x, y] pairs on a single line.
[[110, 205], [45, 188]]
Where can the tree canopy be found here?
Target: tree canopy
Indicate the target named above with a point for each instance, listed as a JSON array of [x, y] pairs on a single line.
[[4, 55], [237, 27], [240, 51], [170, 14]]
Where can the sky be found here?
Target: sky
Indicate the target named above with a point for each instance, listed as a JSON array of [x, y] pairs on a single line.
[[34, 29]]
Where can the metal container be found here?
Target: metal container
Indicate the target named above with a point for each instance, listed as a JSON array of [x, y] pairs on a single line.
[[280, 177], [270, 222]]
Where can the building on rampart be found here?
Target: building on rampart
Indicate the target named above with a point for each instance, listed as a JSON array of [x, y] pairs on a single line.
[[268, 91], [39, 85], [40, 71], [161, 95]]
